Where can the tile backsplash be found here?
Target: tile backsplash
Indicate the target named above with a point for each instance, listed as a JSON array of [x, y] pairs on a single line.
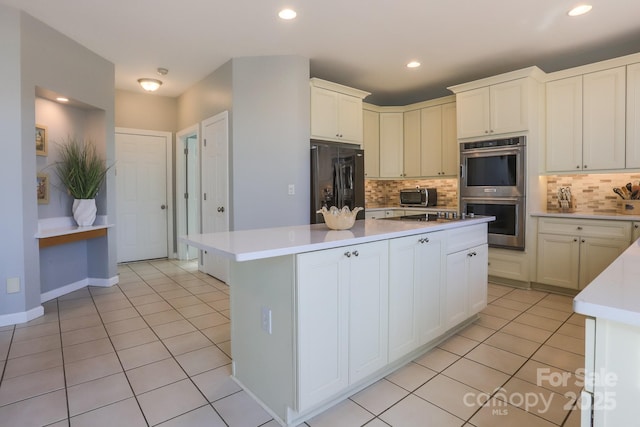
[[386, 193], [593, 192]]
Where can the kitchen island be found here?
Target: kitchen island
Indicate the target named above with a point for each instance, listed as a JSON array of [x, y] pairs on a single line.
[[318, 314], [612, 342]]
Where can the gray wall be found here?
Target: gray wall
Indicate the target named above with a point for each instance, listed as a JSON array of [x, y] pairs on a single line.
[[34, 55], [146, 111], [270, 141]]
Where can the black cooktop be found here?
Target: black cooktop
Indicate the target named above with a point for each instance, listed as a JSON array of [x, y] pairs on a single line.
[[417, 217]]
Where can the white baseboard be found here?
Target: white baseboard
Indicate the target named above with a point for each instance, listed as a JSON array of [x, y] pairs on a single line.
[[21, 317], [63, 290]]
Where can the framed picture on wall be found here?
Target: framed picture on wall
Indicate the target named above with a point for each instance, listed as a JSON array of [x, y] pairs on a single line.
[[42, 188], [41, 140]]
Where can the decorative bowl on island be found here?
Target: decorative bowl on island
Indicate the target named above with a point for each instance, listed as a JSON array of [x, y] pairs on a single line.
[[339, 219]]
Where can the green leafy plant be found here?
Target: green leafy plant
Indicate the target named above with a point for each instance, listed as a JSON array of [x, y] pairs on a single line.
[[80, 168]]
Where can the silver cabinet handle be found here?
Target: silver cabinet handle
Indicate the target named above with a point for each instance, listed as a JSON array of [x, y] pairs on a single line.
[[347, 254], [163, 207], [220, 209], [356, 253]]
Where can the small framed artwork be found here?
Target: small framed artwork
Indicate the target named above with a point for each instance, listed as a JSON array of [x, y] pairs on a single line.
[[42, 188], [41, 140]]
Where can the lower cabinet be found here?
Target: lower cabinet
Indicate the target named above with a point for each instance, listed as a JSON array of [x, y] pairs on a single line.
[[636, 231], [466, 290], [571, 253], [342, 318], [415, 292]]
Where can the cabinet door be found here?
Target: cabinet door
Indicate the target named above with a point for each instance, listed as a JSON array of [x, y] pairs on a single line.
[[350, 118], [558, 260], [603, 140], [508, 102], [371, 141], [431, 120], [323, 319], [564, 125], [412, 149], [368, 309], [478, 275], [324, 113], [633, 116], [457, 295], [404, 295], [473, 112], [450, 147], [391, 145], [636, 231], [596, 254], [430, 286]]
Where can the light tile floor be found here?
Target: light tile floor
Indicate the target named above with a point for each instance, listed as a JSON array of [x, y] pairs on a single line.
[[155, 350]]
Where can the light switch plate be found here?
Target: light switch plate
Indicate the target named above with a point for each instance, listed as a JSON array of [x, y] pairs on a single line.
[[13, 285]]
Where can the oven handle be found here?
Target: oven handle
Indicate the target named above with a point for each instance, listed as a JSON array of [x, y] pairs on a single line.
[[462, 171], [491, 199], [500, 150]]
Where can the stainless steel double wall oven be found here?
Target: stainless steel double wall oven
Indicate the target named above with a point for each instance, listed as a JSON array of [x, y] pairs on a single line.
[[492, 182]]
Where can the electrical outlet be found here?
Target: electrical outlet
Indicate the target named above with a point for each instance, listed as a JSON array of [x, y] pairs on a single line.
[[265, 316], [292, 189], [13, 285]]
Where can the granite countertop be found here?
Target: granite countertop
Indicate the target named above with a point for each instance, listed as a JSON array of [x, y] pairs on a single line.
[[615, 293], [246, 245]]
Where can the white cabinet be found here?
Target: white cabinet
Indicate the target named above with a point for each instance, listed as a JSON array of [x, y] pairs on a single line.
[[571, 253], [466, 273], [496, 109], [342, 314], [633, 116], [412, 144], [564, 124], [391, 145], [389, 213], [439, 144], [336, 112], [415, 292], [371, 143], [586, 122], [636, 231]]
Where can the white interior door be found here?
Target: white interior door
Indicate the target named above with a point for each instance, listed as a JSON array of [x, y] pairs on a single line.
[[143, 208], [215, 189], [188, 188]]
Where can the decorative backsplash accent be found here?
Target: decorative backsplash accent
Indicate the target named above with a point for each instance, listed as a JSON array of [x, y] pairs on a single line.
[[593, 192], [384, 193]]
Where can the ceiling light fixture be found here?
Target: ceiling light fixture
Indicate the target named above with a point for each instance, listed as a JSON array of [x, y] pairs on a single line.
[[150, 85], [580, 10], [287, 14], [413, 64], [62, 99]]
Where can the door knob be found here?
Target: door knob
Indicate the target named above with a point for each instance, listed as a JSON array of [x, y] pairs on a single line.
[[163, 207]]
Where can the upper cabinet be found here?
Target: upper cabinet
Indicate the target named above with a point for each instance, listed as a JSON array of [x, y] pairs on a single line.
[[586, 122], [633, 116], [412, 142], [391, 145], [439, 142], [371, 143], [336, 112], [491, 110]]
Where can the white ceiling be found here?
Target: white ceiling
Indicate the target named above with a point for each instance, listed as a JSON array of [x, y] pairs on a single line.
[[359, 43]]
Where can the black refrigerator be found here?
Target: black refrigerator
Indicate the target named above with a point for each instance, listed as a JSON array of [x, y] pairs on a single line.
[[337, 177]]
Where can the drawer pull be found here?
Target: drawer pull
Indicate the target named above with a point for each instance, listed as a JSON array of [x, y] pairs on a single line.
[[347, 254], [355, 253], [579, 228]]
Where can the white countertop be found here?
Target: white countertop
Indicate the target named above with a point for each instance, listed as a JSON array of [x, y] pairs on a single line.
[[247, 245], [615, 293], [584, 215], [62, 226]]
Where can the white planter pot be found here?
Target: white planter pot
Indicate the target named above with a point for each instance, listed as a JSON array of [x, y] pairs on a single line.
[[84, 211]]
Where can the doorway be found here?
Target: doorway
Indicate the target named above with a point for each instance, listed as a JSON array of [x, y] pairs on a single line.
[[188, 188], [144, 197]]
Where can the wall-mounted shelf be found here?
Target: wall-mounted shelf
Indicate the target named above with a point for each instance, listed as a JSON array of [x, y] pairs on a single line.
[[58, 231]]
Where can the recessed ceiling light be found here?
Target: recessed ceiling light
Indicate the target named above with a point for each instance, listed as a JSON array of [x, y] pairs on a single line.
[[580, 10], [62, 99], [287, 14], [413, 64]]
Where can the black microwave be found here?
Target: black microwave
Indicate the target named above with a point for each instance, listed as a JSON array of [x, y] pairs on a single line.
[[419, 197]]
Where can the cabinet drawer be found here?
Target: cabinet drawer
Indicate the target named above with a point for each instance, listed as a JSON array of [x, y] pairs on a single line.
[[586, 228], [465, 237]]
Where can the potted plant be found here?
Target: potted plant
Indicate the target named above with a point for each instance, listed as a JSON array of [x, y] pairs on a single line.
[[82, 171]]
